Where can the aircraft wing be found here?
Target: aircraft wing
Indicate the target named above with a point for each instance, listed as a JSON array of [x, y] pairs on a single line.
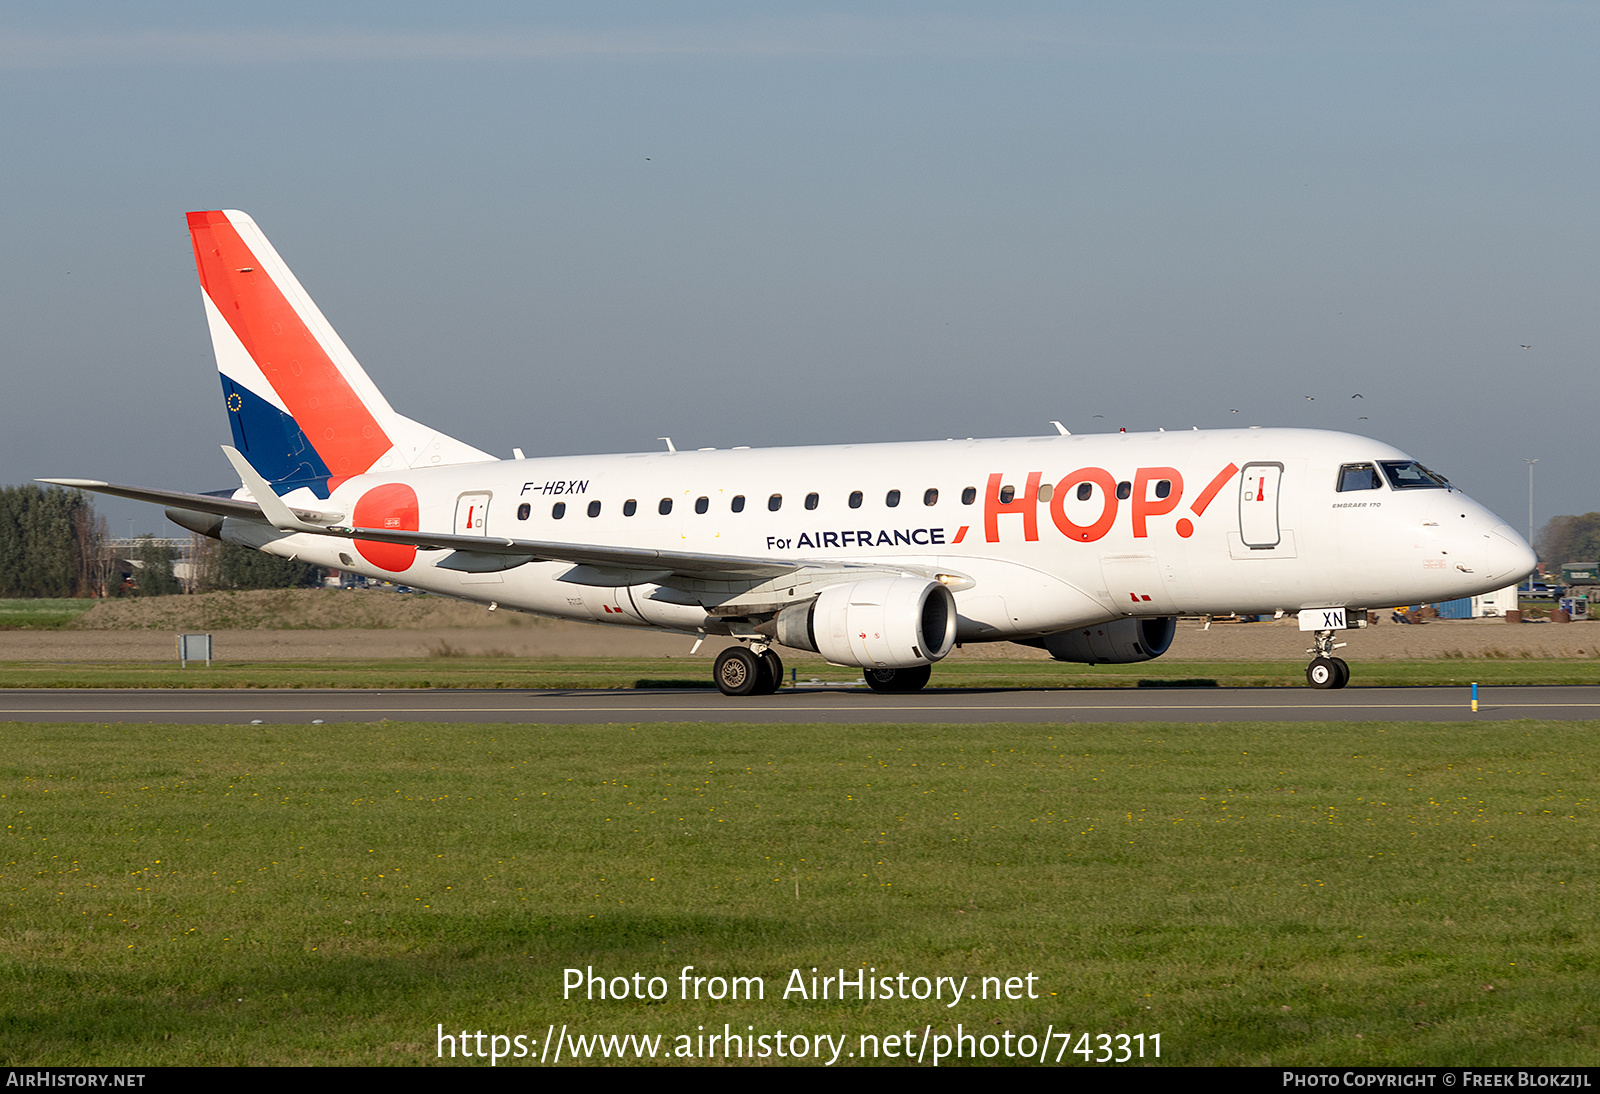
[[686, 563], [178, 499], [664, 563], [291, 519], [645, 564]]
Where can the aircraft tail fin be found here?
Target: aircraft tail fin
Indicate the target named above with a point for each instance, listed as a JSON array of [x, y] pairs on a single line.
[[301, 407]]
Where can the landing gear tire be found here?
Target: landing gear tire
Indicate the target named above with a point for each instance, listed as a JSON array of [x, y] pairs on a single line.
[[1328, 673], [738, 672], [898, 680], [1344, 672], [771, 673]]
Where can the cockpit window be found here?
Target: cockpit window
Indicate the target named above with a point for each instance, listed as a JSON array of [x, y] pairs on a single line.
[[1410, 475], [1359, 476]]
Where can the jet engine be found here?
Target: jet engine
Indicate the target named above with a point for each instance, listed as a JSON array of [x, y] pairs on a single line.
[[1119, 642], [879, 622], [207, 524]]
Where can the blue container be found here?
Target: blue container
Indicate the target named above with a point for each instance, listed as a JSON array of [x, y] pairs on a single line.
[[1455, 609]]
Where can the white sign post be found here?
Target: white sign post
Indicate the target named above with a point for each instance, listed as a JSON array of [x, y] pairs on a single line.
[[194, 647]]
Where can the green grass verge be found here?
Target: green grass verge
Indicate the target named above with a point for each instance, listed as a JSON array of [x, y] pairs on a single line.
[[42, 614], [504, 672], [1255, 893]]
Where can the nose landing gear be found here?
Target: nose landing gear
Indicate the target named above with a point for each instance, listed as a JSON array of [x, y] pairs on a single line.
[[1326, 671]]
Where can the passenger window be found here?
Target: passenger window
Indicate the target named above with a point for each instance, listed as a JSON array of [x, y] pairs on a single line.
[[558, 510], [594, 508], [1008, 494], [665, 507], [523, 510], [1124, 490], [775, 503], [1085, 491], [1163, 488], [811, 501], [969, 495], [630, 507], [702, 504], [1359, 476], [892, 499], [930, 497], [738, 503], [855, 499]]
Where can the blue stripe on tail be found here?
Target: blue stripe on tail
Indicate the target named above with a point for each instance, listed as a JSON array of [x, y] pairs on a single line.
[[272, 441]]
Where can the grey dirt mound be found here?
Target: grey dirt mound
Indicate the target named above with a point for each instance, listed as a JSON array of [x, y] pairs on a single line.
[[294, 609], [296, 624]]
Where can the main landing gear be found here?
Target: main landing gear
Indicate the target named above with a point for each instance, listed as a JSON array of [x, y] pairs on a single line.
[[1326, 670], [741, 671]]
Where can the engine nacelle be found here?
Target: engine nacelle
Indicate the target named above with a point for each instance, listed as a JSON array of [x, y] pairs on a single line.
[[1119, 642], [207, 524], [880, 622]]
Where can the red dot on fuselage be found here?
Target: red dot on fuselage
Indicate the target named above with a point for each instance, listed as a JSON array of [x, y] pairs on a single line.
[[1185, 527]]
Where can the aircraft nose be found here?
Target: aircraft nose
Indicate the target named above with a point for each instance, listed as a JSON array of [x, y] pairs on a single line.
[[1510, 558]]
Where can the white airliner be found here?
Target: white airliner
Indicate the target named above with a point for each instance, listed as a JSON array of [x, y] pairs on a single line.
[[882, 556]]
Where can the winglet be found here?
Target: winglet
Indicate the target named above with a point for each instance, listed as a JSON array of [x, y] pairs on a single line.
[[272, 506], [76, 484]]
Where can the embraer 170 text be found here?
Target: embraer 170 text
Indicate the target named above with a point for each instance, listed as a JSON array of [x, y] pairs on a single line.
[[882, 556]]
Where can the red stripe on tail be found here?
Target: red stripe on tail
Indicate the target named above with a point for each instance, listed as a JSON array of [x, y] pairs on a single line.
[[332, 417]]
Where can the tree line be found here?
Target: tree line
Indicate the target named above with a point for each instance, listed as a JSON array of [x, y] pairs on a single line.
[[1568, 539], [49, 540], [53, 544]]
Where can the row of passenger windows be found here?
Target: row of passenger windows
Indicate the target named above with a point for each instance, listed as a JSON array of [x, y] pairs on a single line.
[[774, 503], [1401, 475], [892, 499]]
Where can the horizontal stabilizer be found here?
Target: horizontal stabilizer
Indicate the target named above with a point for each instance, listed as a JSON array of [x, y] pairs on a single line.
[[279, 515]]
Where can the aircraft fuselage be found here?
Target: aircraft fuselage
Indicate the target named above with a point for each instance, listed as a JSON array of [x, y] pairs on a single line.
[[1031, 532]]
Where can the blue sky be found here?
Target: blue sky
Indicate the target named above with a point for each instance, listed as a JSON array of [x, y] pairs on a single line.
[[578, 227]]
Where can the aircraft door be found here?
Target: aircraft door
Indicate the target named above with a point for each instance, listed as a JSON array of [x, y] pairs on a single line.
[[1259, 484], [472, 515], [472, 519]]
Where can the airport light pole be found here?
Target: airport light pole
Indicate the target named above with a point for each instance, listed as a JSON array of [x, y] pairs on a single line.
[[1530, 464]]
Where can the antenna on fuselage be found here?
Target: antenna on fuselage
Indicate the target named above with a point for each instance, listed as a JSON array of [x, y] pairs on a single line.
[[670, 446], [1061, 429]]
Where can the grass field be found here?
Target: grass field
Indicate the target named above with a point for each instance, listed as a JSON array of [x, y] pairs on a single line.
[[1254, 893], [505, 672], [41, 614]]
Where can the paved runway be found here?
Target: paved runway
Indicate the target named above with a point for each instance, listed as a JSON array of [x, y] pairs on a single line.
[[816, 704]]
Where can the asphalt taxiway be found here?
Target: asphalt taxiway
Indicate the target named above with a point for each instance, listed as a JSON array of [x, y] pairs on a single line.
[[799, 705]]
